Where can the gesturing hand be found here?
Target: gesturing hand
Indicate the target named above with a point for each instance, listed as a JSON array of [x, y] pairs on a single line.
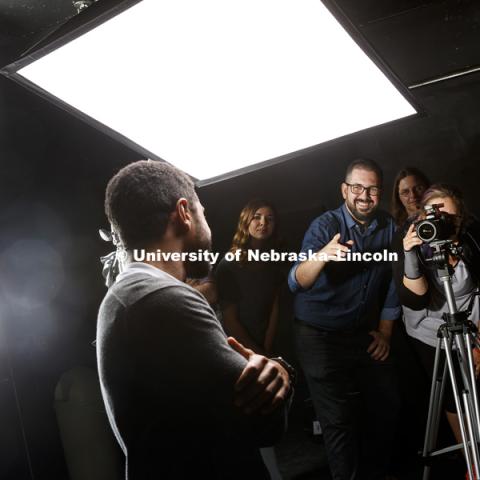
[[263, 384], [411, 239], [334, 250]]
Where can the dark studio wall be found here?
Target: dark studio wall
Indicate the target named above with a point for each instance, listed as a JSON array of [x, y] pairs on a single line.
[[53, 174]]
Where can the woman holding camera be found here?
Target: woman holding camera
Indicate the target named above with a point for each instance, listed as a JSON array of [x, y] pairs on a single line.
[[419, 288]]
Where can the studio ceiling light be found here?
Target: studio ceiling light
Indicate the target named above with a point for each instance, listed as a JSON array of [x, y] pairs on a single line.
[[220, 85]]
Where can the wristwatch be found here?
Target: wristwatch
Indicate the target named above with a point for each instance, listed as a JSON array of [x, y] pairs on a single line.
[[292, 374]]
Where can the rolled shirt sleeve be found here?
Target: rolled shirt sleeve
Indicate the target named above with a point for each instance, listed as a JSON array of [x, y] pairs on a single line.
[[319, 233]]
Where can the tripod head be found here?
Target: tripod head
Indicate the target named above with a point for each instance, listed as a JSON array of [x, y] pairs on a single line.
[[442, 250]]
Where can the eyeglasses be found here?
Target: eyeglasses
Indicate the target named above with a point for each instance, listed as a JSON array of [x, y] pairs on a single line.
[[358, 189], [416, 190]]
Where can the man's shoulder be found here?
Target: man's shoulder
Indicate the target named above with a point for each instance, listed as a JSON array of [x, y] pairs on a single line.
[[137, 285], [329, 218], [133, 285], [140, 295], [129, 289], [385, 221]]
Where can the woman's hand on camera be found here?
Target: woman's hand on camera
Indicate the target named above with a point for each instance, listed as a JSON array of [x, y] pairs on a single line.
[[411, 239]]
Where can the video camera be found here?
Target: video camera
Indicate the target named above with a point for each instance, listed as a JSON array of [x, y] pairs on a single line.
[[437, 226]]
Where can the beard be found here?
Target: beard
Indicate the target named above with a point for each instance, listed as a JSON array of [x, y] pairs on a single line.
[[200, 268], [362, 210]]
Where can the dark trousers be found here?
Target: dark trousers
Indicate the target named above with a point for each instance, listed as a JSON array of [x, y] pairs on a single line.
[[355, 398], [426, 355]]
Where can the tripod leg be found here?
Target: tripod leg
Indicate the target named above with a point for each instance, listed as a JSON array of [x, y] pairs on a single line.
[[469, 342], [458, 406], [473, 444], [434, 408], [471, 400]]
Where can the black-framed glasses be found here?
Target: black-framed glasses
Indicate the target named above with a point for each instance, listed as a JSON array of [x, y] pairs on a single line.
[[358, 189]]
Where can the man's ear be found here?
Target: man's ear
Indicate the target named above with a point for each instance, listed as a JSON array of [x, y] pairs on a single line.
[[343, 188], [182, 216]]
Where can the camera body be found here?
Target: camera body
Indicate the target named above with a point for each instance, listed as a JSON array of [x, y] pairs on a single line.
[[437, 226]]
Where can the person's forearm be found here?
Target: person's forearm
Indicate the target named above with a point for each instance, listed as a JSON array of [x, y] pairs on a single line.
[[385, 327], [308, 271], [418, 286]]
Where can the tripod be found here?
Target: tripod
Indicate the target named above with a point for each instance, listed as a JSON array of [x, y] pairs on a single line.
[[458, 332]]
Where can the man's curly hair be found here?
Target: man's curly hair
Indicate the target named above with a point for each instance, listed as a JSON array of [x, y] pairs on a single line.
[[140, 198]]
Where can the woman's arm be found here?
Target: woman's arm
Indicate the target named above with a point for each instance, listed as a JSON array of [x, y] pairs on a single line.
[[234, 328], [413, 278], [408, 290], [272, 327]]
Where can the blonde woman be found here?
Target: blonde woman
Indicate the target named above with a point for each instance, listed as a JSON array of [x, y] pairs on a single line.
[[248, 288]]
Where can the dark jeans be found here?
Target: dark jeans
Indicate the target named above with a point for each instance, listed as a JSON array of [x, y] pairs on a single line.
[[355, 398]]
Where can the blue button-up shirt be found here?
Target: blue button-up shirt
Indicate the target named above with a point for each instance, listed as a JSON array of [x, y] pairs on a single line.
[[350, 295]]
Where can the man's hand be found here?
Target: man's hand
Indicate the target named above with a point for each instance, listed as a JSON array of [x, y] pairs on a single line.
[[308, 271], [263, 384], [334, 250], [379, 349]]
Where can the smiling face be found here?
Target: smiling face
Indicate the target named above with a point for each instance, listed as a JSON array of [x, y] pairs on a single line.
[[262, 224], [410, 191], [362, 206]]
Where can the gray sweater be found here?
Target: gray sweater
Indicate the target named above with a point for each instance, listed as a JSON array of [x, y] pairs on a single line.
[[167, 375]]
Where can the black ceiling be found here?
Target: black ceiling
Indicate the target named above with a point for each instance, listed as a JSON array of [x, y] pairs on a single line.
[[418, 39], [25, 22]]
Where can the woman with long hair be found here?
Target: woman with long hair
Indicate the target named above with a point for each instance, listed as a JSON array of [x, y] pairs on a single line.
[[408, 188], [248, 288]]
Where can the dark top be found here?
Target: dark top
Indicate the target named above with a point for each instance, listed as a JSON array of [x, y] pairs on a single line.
[[251, 287], [167, 376], [348, 295]]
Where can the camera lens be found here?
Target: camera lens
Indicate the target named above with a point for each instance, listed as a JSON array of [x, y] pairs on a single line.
[[426, 231]]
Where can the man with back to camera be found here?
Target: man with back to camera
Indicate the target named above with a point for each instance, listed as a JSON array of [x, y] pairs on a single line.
[[183, 402], [344, 317]]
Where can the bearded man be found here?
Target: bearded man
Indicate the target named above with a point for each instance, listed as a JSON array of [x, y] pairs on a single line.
[[344, 317], [183, 401]]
